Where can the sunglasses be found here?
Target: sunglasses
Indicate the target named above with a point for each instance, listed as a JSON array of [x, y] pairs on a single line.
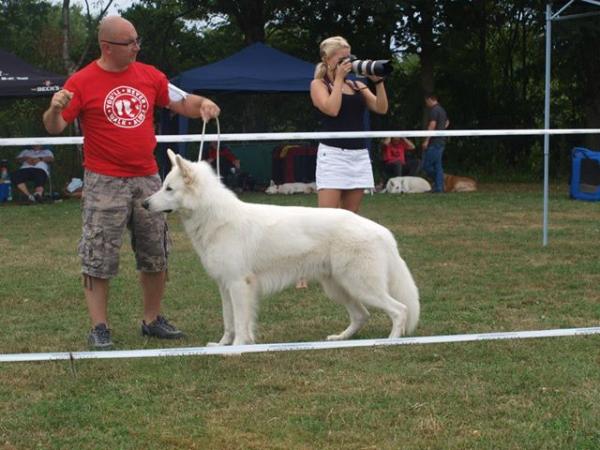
[[137, 41]]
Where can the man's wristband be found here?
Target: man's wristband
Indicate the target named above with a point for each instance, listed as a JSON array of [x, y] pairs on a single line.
[[378, 81]]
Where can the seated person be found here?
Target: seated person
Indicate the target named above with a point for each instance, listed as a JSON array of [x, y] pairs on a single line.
[[229, 168], [227, 159], [395, 161], [34, 167]]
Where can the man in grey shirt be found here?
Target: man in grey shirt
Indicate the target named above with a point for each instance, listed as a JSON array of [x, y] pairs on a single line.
[[433, 147]]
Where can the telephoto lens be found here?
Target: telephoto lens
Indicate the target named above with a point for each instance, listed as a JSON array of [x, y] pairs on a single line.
[[380, 67]]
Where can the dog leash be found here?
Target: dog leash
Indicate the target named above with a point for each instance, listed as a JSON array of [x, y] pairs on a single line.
[[204, 122]]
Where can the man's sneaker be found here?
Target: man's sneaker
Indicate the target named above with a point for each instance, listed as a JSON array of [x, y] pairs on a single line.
[[99, 337], [161, 328], [38, 197]]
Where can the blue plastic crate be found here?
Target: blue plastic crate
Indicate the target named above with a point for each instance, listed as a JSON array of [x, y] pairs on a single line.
[[585, 174]]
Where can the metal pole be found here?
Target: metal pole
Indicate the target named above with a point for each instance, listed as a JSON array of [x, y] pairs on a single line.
[[547, 120]]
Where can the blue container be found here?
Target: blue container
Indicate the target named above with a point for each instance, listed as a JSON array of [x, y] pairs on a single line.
[[4, 191], [585, 174]]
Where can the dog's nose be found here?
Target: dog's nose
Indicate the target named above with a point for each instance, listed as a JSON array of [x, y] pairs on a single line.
[[146, 204]]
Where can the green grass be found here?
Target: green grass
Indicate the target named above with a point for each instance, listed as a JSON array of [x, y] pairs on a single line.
[[480, 267]]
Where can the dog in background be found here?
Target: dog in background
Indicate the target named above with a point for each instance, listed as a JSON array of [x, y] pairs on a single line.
[[291, 188], [255, 250], [453, 183], [407, 185]]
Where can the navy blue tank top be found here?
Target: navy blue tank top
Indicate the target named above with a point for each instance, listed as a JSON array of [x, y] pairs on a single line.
[[350, 118]]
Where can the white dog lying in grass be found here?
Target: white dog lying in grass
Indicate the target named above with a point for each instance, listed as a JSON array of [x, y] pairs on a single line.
[[291, 188], [254, 250], [407, 185]]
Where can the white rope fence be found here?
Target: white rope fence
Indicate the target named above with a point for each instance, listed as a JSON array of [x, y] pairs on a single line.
[[294, 346], [247, 137]]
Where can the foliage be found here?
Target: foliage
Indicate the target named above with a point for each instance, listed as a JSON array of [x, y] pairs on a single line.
[[485, 60], [577, 86], [21, 117], [23, 26], [31, 29], [175, 43]]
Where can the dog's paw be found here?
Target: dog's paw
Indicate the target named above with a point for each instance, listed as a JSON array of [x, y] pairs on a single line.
[[398, 330], [243, 342], [401, 333], [225, 355], [335, 337], [227, 339]]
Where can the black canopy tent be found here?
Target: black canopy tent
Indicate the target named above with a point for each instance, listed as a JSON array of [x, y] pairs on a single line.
[[20, 79]]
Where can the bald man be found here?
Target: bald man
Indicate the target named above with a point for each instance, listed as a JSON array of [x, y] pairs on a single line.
[[114, 97]]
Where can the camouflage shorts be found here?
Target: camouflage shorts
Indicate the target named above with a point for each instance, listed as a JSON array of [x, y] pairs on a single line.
[[111, 204]]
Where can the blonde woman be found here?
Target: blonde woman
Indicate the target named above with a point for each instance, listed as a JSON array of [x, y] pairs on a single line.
[[343, 165]]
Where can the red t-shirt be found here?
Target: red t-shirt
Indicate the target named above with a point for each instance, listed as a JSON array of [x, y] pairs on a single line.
[[394, 152], [116, 110]]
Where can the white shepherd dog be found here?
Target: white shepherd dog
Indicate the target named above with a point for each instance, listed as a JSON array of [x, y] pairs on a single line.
[[254, 250], [407, 185], [291, 188]]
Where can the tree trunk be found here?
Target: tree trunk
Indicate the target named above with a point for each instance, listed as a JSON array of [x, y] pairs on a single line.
[[66, 33], [249, 16], [425, 32]]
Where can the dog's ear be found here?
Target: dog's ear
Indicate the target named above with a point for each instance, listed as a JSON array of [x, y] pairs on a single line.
[[272, 183], [186, 170], [171, 155]]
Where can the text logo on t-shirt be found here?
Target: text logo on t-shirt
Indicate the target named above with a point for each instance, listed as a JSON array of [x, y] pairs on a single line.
[[126, 107]]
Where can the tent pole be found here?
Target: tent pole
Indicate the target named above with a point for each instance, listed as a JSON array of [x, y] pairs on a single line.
[[547, 120]]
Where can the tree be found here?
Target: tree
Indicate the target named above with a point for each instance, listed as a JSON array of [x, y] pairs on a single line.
[[91, 23], [484, 58], [577, 72], [24, 24]]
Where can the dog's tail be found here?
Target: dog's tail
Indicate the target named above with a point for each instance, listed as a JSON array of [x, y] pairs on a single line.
[[404, 289]]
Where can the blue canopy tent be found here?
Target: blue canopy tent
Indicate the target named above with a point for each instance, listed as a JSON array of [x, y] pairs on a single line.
[[257, 68]]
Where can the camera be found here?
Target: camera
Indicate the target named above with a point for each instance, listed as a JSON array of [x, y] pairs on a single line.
[[380, 67]]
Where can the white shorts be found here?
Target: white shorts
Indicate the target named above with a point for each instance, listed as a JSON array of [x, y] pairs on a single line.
[[339, 168]]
